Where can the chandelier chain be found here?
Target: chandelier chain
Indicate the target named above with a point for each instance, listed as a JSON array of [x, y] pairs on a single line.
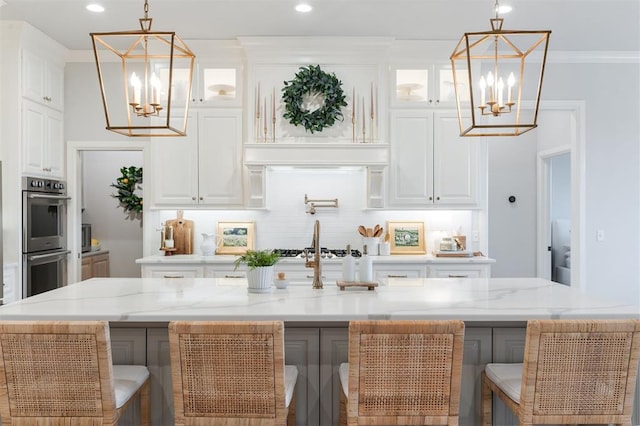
[[146, 9]]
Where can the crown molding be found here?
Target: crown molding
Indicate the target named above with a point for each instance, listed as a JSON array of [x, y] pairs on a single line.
[[594, 57]]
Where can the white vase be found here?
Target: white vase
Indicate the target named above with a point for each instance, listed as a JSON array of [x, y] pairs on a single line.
[[208, 246], [260, 279]]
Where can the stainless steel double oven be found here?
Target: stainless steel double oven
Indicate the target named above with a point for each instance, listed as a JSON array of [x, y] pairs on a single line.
[[44, 236]]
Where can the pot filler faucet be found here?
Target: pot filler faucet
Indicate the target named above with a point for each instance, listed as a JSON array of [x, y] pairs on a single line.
[[315, 263]]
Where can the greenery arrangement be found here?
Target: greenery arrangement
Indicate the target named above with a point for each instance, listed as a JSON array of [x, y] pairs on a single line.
[[313, 81], [127, 184], [257, 258]]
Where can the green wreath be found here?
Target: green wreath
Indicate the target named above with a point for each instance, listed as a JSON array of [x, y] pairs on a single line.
[[313, 81], [127, 184]]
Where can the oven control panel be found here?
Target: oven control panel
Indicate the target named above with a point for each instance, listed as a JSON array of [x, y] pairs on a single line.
[[36, 184]]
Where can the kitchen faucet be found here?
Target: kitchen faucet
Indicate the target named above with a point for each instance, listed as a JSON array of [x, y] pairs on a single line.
[[315, 263]]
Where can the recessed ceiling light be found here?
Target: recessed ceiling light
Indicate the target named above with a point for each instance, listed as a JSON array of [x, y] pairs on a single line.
[[95, 8], [504, 8], [303, 8]]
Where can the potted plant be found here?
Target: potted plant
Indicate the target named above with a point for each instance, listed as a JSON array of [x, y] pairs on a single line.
[[260, 264]]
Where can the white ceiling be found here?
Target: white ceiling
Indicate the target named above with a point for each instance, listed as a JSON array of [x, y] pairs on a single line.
[[579, 25]]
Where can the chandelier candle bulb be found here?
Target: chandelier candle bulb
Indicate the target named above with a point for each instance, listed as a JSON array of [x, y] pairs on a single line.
[[511, 81], [155, 89], [136, 86]]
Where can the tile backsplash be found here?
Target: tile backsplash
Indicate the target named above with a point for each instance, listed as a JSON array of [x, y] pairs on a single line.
[[285, 222]]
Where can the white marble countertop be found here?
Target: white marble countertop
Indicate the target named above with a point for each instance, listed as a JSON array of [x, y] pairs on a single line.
[[227, 259], [161, 300]]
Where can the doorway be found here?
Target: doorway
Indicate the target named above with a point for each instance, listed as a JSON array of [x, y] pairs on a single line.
[[92, 167], [112, 228], [555, 195]]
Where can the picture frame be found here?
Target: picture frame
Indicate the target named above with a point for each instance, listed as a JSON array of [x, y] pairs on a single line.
[[407, 237], [235, 237]]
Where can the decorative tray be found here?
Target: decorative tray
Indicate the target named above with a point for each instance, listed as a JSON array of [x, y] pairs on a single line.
[[368, 285]]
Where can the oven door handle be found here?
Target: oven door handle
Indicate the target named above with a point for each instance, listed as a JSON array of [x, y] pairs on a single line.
[[49, 196], [45, 256]]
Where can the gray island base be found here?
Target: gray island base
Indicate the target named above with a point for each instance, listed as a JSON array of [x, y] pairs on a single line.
[[494, 310]]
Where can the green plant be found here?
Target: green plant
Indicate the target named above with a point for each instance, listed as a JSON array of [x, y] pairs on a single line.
[[257, 258], [312, 80], [127, 184]]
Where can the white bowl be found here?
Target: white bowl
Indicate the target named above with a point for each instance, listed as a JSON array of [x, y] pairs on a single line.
[[281, 284]]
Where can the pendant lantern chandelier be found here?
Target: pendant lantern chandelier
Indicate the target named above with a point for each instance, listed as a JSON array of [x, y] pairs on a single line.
[[145, 78], [497, 77]]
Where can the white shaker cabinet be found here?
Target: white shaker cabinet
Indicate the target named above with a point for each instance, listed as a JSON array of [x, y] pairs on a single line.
[[430, 164], [42, 140], [203, 168], [42, 80]]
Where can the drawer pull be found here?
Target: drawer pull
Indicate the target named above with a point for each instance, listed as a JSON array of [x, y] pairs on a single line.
[[458, 276], [397, 276], [311, 276], [173, 276], [234, 276]]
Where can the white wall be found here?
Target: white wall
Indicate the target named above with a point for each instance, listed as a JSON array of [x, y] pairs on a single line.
[[612, 186], [117, 232], [512, 226]]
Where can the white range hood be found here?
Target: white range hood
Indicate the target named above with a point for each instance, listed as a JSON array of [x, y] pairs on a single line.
[[316, 154], [374, 157]]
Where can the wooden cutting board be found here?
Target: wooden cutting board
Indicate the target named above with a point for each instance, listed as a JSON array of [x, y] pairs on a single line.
[[182, 234]]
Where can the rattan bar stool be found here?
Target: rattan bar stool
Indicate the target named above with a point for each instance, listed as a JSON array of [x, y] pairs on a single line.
[[574, 372], [60, 373], [231, 373], [402, 373]]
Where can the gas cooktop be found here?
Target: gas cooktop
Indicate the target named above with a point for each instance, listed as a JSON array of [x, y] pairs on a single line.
[[324, 252]]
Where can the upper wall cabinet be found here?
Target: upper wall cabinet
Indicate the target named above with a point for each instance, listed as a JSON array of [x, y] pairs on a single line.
[[43, 140], [213, 84], [42, 80], [430, 164], [203, 168], [420, 86]]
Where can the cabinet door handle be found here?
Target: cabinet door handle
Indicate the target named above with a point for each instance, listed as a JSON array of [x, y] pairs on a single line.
[[430, 198], [172, 276], [193, 198], [234, 276], [201, 198], [458, 276], [438, 198], [397, 276]]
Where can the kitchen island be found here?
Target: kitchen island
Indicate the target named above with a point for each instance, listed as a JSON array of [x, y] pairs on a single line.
[[495, 312]]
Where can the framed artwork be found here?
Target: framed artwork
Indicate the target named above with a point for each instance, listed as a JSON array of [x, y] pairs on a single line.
[[235, 237], [407, 237]]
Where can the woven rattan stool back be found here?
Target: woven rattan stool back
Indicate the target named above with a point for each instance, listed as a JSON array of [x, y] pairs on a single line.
[[404, 372], [54, 372], [586, 367], [578, 372], [228, 373]]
